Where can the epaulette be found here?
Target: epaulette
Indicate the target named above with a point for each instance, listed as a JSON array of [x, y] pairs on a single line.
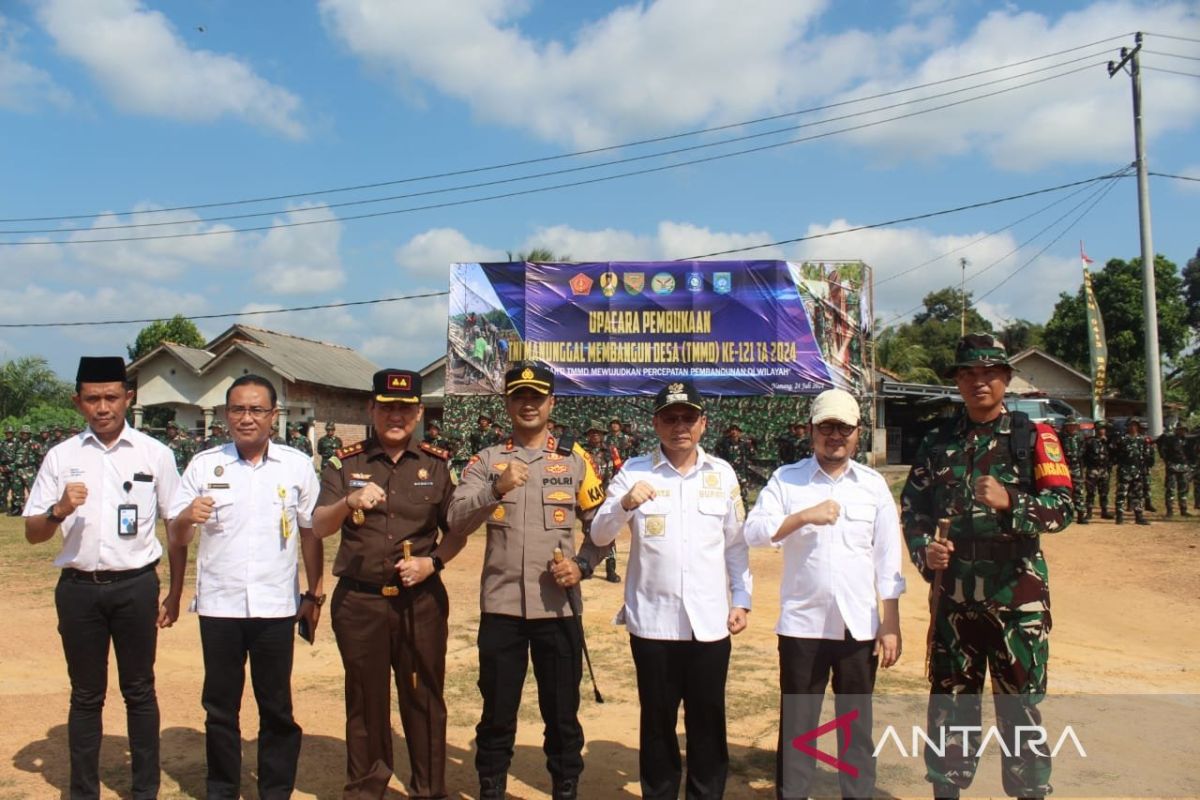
[[565, 444], [350, 450], [436, 452]]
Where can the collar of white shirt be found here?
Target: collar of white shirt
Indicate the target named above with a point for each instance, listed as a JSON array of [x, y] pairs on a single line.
[[659, 459], [124, 437]]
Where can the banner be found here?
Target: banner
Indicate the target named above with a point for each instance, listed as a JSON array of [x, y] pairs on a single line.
[[1097, 343], [624, 328]]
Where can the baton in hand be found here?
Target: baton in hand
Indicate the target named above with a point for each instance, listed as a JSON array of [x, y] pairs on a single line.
[[558, 558], [412, 617], [935, 594]]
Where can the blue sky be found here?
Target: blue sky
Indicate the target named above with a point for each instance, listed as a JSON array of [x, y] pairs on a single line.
[[114, 109]]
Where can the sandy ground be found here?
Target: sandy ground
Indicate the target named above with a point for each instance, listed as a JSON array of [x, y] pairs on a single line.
[[1123, 602]]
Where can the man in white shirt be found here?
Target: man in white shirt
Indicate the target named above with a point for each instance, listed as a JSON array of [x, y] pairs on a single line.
[[687, 557], [253, 501], [106, 487], [837, 525]]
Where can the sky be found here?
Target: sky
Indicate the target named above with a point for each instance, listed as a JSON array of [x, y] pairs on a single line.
[[493, 127]]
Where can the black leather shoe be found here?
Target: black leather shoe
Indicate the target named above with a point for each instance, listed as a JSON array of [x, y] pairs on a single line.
[[565, 789], [1083, 521], [1142, 520], [492, 787]]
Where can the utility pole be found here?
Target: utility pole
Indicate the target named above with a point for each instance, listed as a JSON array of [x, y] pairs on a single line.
[[1149, 298], [962, 290]]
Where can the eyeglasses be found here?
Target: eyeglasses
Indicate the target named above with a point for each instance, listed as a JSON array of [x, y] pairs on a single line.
[[675, 419], [841, 428], [253, 411]]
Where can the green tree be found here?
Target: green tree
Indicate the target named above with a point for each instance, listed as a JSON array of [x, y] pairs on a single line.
[[27, 382], [538, 254], [1021, 334], [922, 350], [1118, 290], [178, 329]]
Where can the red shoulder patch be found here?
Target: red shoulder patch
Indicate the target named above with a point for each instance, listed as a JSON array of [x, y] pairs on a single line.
[[350, 450], [436, 452], [1050, 471]]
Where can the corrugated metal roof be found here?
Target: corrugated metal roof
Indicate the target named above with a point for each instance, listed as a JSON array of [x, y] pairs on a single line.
[[309, 360], [194, 358]]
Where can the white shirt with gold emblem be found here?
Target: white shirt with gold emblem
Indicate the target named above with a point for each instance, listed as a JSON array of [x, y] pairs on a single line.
[[688, 561], [247, 564]]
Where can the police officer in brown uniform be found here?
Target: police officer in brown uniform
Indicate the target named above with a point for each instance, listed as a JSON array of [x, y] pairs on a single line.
[[529, 490], [389, 614]]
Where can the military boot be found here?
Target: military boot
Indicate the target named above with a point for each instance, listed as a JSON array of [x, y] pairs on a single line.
[[610, 570], [565, 789], [1183, 512], [1083, 520], [1104, 513], [1120, 517], [1140, 518], [1170, 512], [493, 787]]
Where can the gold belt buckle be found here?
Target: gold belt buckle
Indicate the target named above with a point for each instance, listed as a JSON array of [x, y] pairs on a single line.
[[390, 591]]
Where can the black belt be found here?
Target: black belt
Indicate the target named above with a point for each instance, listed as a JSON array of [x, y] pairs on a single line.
[[107, 575], [994, 549], [386, 589]]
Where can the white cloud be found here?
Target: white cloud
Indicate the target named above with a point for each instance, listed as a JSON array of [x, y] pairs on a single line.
[[671, 240], [429, 254], [300, 260], [676, 64], [24, 87], [412, 333], [146, 67], [1193, 185]]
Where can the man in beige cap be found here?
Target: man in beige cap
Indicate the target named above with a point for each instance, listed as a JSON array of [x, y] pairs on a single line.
[[836, 523]]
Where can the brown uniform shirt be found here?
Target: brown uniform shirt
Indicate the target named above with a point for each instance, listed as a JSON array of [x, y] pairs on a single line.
[[524, 528], [418, 491]]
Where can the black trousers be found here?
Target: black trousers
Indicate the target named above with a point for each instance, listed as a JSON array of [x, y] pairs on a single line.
[[268, 643], [505, 646], [90, 616], [669, 672], [804, 669]]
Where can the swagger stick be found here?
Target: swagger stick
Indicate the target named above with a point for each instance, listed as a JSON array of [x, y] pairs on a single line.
[[558, 557], [935, 594], [412, 616]]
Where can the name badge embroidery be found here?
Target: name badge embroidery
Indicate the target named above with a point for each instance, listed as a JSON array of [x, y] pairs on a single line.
[[656, 525]]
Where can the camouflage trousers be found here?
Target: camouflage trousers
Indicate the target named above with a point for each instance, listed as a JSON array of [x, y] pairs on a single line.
[[1078, 495], [1097, 484], [1177, 476], [1129, 490], [20, 482], [5, 484], [969, 641]]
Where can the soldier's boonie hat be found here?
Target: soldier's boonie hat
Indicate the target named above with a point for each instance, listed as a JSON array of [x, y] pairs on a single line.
[[397, 386], [330, 426], [482, 418], [1071, 420], [173, 424], [533, 376], [614, 419], [433, 426], [834, 404], [9, 429], [25, 429], [100, 369], [678, 393], [595, 425], [732, 428], [978, 350]]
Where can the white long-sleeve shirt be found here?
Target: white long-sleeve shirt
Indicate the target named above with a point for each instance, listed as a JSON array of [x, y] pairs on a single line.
[[833, 575], [687, 560]]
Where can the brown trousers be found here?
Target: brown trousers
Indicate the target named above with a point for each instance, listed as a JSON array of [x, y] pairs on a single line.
[[378, 636]]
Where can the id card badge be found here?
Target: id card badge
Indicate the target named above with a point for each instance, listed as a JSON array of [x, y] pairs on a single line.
[[127, 519]]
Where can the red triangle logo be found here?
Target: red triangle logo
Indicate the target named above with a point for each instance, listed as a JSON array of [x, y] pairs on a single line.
[[801, 742]]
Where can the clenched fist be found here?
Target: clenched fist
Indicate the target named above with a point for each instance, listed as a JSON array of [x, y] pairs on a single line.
[[823, 513], [366, 498], [515, 475], [199, 512], [639, 493], [74, 495]]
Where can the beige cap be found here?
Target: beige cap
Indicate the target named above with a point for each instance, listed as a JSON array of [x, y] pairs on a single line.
[[835, 404]]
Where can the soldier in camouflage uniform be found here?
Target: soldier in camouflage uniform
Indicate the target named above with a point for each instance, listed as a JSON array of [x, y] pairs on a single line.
[[434, 438], [1148, 458], [1072, 445], [619, 440], [1129, 454], [786, 444], [606, 460], [7, 457], [181, 445], [1173, 449], [1193, 451], [1097, 462], [481, 437], [328, 444], [738, 452], [298, 440], [216, 437], [27, 457], [1001, 481]]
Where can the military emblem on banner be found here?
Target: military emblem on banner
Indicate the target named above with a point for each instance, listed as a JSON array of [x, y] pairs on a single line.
[[581, 284], [608, 283], [722, 282], [634, 282], [663, 283], [695, 282]]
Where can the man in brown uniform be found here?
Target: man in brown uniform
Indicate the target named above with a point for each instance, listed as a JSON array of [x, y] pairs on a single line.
[[390, 614], [529, 490]]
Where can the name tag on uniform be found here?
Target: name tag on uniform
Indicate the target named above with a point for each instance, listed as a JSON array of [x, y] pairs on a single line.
[[656, 525], [357, 484], [217, 486], [711, 493]]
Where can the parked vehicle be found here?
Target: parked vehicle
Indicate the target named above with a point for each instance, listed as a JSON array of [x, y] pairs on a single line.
[[1048, 410]]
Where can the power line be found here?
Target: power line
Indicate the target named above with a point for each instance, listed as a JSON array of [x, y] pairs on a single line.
[[552, 187], [376, 301], [1176, 177], [577, 153], [320, 307], [1172, 55], [1171, 71], [1169, 36], [577, 169], [912, 218]]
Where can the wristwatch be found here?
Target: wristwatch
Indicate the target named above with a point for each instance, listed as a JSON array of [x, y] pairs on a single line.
[[585, 567], [55, 518], [438, 564], [315, 599]]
